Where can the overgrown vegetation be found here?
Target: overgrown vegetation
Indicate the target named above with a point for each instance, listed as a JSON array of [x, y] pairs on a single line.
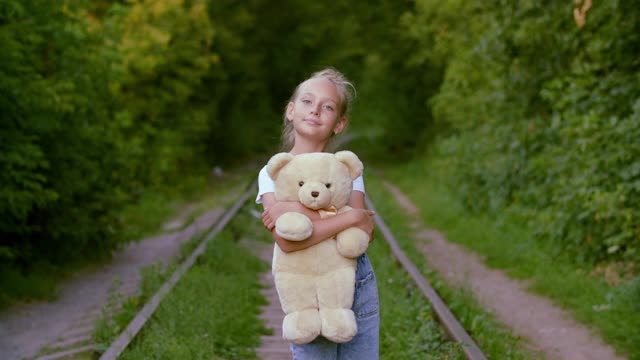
[[539, 117], [105, 104], [519, 108]]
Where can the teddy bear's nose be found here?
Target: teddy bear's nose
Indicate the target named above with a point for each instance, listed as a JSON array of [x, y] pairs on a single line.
[[315, 193]]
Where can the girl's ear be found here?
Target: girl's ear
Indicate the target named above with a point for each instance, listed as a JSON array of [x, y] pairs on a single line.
[[290, 110], [352, 162], [276, 163], [340, 125]]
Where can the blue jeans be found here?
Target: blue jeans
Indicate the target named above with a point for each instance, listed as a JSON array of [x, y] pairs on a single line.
[[365, 345]]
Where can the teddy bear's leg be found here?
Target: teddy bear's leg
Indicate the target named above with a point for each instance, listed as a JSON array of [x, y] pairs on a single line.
[[335, 297], [352, 242], [298, 299]]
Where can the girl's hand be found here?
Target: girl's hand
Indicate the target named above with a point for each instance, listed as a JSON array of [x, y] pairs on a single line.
[[363, 219]]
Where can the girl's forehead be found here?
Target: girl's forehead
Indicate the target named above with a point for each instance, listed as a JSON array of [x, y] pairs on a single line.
[[320, 87]]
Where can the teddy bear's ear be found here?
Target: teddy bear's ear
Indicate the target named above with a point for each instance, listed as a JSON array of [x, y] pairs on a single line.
[[351, 160], [276, 163]]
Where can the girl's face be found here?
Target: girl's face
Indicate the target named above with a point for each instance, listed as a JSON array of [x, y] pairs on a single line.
[[315, 112]]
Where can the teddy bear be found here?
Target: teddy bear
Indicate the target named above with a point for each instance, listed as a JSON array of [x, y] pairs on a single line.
[[316, 285]]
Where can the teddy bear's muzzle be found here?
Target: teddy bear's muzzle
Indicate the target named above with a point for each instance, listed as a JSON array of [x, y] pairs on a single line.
[[314, 197]]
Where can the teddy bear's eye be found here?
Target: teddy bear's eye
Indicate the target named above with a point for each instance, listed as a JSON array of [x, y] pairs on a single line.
[[301, 183], [328, 185]]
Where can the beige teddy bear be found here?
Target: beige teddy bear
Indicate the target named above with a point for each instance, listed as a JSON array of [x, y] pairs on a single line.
[[316, 285]]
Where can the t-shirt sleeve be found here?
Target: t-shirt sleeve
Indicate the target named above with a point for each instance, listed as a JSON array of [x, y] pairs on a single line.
[[265, 184], [358, 184]]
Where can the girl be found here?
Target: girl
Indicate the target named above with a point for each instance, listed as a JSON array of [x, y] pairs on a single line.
[[317, 110]]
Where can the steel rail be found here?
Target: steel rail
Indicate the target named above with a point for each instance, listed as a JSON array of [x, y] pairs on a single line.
[[448, 321]]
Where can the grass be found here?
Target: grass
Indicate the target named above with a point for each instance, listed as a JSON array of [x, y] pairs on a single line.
[[211, 312], [120, 310], [145, 218], [508, 244], [493, 339], [16, 286]]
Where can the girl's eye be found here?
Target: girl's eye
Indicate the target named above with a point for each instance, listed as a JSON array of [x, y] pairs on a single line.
[[301, 183], [330, 108], [306, 101], [328, 185]]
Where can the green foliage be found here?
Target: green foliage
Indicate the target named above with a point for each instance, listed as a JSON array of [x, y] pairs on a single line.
[[105, 102], [540, 117], [58, 163]]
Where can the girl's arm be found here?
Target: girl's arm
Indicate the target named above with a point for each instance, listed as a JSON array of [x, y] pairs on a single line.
[[322, 228], [356, 201]]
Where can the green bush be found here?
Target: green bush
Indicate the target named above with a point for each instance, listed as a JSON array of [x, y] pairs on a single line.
[[59, 164], [105, 101], [539, 116]]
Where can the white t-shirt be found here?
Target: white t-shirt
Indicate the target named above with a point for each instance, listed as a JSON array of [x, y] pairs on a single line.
[[266, 184]]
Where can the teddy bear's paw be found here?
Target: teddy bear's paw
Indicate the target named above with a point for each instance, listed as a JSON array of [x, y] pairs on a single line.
[[352, 242], [294, 226], [338, 325], [301, 327]]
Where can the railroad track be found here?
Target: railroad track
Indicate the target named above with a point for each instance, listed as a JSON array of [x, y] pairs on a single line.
[[450, 324]]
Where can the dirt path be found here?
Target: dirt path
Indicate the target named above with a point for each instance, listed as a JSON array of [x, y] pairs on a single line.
[[64, 326], [273, 346], [547, 328]]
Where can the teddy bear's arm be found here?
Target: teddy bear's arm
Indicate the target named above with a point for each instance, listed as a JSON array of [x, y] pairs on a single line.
[[353, 241], [273, 209], [294, 226], [323, 229]]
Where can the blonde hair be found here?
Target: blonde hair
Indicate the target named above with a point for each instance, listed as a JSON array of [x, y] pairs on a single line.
[[346, 91]]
